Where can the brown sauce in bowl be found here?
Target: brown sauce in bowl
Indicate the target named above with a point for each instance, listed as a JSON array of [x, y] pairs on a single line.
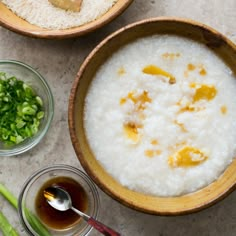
[[56, 219]]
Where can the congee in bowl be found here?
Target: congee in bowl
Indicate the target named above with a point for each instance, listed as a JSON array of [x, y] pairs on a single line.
[[156, 122], [158, 115]]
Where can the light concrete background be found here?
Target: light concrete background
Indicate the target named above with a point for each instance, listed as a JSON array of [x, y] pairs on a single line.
[[59, 61]]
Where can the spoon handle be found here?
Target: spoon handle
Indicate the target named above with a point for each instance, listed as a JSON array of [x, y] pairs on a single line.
[[102, 228]]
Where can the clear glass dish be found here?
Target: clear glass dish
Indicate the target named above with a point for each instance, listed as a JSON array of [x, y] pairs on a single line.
[[27, 74], [28, 195]]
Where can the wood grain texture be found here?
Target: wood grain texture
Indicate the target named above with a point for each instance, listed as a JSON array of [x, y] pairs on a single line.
[[102, 228]]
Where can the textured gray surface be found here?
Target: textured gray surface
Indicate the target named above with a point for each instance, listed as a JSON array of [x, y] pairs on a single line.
[[59, 61]]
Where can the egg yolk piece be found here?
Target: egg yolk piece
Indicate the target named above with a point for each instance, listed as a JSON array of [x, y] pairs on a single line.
[[150, 153], [191, 66], [223, 110], [121, 71], [139, 100], [154, 70], [187, 157], [131, 132], [203, 91]]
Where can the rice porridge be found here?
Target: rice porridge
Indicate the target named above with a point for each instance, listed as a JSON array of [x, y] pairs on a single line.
[[160, 115]]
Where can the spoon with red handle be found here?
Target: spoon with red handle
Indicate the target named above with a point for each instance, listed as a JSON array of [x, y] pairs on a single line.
[[60, 199]]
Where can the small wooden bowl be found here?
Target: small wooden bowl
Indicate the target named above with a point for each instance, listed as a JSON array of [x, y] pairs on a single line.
[[11, 21], [155, 205]]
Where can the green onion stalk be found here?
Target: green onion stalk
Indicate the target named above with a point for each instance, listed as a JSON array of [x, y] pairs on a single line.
[[33, 220], [6, 227]]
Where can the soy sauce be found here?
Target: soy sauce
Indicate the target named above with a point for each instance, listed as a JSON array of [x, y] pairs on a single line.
[[60, 220]]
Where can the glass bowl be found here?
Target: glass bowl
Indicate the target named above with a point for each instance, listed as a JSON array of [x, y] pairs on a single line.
[[30, 193], [27, 74]]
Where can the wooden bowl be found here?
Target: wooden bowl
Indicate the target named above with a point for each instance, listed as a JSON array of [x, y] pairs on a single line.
[[11, 21], [155, 205]]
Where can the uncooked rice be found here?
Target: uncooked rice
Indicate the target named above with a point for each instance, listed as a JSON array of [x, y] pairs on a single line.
[[43, 14]]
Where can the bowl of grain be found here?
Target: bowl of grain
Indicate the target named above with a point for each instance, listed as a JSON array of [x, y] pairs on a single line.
[[148, 111], [52, 20]]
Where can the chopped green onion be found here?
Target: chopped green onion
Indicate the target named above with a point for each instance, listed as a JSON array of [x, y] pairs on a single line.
[[20, 110], [40, 115], [39, 100], [28, 111]]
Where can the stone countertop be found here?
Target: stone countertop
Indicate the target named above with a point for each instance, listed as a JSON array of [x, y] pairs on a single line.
[[59, 61]]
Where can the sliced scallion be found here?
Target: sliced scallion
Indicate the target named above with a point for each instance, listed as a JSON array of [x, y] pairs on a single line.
[[21, 110]]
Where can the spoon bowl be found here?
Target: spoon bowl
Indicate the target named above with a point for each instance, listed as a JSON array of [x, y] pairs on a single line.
[[60, 199]]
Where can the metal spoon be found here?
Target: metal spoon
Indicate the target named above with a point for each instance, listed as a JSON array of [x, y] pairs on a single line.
[[60, 199]]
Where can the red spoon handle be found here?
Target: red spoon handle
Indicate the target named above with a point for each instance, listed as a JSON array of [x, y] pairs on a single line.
[[102, 228]]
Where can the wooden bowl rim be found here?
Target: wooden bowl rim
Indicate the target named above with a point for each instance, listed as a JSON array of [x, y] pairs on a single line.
[[76, 145], [119, 7]]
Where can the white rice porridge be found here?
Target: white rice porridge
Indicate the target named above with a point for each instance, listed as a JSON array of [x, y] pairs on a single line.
[[160, 116]]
